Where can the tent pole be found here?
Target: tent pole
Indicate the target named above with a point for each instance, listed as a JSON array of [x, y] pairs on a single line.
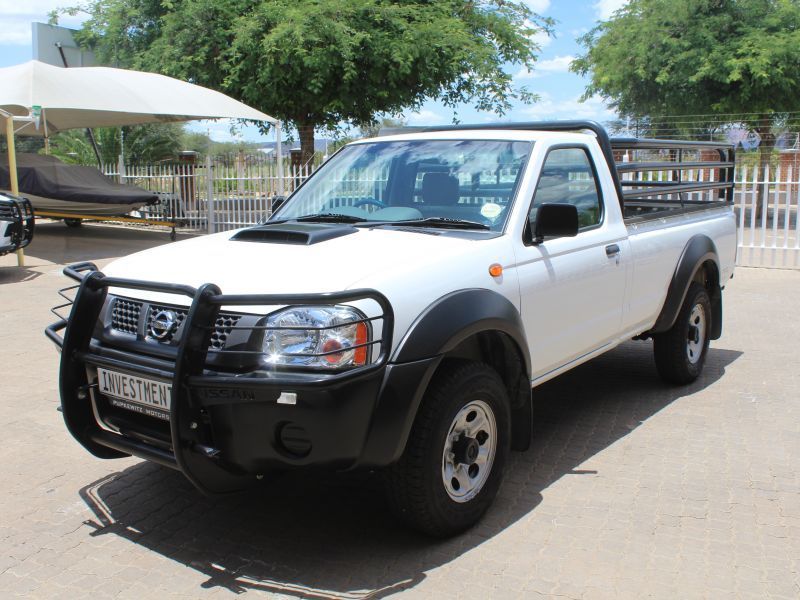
[[46, 134], [89, 132], [12, 173]]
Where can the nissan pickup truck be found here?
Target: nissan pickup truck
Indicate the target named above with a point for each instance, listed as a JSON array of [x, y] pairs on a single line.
[[397, 312], [16, 223]]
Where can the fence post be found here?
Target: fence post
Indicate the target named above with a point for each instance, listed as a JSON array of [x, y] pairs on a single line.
[[209, 195], [279, 157], [121, 168]]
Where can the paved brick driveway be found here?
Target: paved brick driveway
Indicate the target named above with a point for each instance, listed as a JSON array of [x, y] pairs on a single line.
[[632, 489]]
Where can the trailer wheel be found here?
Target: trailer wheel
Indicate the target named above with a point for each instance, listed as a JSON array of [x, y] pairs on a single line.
[[453, 463], [72, 223], [680, 353]]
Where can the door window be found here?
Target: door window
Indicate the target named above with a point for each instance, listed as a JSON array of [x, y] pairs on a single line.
[[568, 176]]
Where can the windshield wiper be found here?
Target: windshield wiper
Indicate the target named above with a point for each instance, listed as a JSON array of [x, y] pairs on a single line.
[[330, 218], [441, 222]]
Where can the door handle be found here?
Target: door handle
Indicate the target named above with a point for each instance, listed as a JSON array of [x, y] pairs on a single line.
[[612, 250]]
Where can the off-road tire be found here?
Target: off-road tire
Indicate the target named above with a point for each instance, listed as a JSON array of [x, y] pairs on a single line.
[[415, 484], [671, 348]]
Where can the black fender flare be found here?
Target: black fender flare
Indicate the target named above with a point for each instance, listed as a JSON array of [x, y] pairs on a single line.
[[457, 316], [440, 328], [698, 250]]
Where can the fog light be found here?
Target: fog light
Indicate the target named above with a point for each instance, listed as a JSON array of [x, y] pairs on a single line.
[[294, 439]]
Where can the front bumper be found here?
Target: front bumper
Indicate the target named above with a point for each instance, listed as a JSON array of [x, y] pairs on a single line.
[[16, 223], [223, 429]]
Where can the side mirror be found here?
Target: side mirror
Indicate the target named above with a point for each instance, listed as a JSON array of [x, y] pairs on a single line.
[[277, 202], [555, 220]]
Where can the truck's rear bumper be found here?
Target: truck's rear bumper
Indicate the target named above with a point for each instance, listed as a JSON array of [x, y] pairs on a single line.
[[222, 431]]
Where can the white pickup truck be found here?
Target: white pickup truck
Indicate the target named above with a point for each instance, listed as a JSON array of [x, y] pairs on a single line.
[[399, 309]]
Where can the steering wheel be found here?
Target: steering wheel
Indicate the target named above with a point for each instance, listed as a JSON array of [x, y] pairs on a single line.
[[368, 201]]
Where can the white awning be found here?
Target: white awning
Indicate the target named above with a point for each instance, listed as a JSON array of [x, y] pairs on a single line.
[[106, 97]]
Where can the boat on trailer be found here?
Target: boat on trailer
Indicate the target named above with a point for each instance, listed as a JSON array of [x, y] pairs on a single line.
[[53, 186]]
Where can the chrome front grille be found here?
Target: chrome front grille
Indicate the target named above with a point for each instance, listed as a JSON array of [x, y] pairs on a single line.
[[125, 318], [125, 315], [157, 308]]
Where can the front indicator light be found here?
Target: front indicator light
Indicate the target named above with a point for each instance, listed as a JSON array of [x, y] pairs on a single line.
[[362, 337], [329, 349]]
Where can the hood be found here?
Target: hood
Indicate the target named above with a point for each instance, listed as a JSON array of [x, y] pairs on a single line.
[[250, 265]]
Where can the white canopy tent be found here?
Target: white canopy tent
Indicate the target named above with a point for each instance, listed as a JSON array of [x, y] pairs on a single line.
[[37, 99]]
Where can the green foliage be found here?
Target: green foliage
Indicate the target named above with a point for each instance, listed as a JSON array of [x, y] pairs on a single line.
[[319, 63], [695, 57], [371, 130], [203, 145], [148, 144]]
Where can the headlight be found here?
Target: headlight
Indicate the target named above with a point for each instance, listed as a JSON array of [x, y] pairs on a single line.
[[328, 337]]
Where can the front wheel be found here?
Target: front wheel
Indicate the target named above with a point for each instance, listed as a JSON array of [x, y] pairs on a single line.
[[681, 352], [453, 463]]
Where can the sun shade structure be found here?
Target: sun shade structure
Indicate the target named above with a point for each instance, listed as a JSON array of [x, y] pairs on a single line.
[[38, 99], [106, 97]]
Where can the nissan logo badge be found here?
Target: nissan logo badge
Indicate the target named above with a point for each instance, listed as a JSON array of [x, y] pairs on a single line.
[[163, 324]]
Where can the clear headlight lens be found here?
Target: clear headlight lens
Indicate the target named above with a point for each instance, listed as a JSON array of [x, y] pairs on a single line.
[[329, 337]]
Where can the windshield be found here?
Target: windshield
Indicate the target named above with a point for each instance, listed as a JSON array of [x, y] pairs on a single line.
[[422, 182]]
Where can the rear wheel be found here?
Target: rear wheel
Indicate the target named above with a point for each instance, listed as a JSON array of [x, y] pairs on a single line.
[[681, 352], [73, 222], [453, 463]]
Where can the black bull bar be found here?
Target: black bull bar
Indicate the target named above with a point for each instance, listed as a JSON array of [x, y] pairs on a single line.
[[189, 454]]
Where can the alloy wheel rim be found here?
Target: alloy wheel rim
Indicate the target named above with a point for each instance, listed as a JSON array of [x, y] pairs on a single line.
[[696, 336], [469, 451]]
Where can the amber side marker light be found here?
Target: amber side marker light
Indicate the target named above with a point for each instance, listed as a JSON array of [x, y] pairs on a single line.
[[496, 270], [360, 357]]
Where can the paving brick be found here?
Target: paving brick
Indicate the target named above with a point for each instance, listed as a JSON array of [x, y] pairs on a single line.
[[632, 489]]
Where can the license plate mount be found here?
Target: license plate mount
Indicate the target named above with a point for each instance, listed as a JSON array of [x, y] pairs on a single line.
[[134, 393]]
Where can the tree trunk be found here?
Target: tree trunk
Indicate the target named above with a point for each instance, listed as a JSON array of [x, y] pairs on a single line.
[[306, 132], [764, 131]]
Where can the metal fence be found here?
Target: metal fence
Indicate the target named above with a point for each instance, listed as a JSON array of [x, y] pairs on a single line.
[[768, 230], [218, 194], [242, 187]]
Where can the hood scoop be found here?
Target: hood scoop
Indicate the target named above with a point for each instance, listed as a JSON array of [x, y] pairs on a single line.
[[298, 234]]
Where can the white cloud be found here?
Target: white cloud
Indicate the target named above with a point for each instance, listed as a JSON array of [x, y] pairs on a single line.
[[540, 38], [559, 64], [572, 108], [606, 8], [538, 6], [425, 117], [18, 16]]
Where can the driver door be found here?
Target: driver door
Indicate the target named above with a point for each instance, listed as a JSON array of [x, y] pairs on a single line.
[[572, 288]]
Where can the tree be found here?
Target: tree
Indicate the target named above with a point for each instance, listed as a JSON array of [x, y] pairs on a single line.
[[373, 129], [146, 144], [321, 63], [694, 57]]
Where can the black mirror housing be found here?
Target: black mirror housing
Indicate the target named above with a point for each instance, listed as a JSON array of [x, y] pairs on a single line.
[[555, 220], [277, 202]]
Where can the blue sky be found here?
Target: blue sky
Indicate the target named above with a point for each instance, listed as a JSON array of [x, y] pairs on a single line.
[[559, 89]]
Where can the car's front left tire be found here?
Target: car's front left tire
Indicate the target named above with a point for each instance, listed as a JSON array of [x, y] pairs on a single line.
[[453, 463]]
